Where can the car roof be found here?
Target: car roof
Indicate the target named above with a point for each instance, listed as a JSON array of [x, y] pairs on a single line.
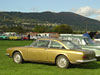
[[49, 39], [53, 39], [76, 36]]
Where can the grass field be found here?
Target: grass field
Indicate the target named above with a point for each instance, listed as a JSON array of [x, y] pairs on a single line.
[[8, 67]]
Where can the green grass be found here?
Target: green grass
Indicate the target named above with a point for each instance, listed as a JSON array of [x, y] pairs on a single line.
[[8, 67]]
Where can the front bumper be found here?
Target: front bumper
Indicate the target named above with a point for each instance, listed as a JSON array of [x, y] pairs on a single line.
[[85, 61], [7, 54]]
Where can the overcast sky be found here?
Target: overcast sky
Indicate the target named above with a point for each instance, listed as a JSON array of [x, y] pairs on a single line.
[[88, 8]]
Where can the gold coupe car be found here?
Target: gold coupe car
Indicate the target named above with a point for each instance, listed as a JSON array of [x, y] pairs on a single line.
[[62, 53]]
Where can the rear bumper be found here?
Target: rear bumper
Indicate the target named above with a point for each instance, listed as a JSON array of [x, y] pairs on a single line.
[[85, 61]]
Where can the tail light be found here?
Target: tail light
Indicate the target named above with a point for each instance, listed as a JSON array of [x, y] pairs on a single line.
[[84, 57]]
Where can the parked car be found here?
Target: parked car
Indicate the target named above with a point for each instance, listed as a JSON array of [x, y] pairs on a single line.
[[3, 37], [14, 37], [84, 42], [55, 51], [33, 37], [24, 37]]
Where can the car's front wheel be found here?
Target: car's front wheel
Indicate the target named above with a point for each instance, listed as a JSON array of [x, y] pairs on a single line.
[[17, 57], [62, 61]]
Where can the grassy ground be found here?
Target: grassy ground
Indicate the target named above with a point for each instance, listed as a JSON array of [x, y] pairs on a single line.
[[8, 67]]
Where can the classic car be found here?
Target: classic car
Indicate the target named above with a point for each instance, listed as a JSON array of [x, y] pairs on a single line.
[[34, 37], [55, 51], [84, 42], [24, 37], [14, 37], [3, 37]]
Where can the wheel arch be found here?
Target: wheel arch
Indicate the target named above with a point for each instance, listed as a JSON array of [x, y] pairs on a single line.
[[17, 51], [62, 55]]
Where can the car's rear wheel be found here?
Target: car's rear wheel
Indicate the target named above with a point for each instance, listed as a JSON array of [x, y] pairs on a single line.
[[62, 61], [17, 57]]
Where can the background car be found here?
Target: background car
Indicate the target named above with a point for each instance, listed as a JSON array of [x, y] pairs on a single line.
[[55, 51], [34, 37], [14, 37], [84, 42], [24, 37], [3, 37]]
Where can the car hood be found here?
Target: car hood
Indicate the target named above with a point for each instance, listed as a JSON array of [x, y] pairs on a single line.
[[3, 36]]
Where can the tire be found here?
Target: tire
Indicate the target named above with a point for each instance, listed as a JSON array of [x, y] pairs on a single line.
[[17, 58], [62, 61]]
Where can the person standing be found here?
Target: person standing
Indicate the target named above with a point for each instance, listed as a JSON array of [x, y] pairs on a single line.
[[87, 34], [28, 36], [92, 34]]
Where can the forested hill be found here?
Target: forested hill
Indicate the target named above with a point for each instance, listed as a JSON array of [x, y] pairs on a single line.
[[76, 21]]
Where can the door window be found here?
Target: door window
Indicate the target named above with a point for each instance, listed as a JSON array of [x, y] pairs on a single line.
[[43, 43], [34, 44], [55, 44]]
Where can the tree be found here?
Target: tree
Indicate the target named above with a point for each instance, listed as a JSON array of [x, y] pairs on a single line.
[[64, 28], [41, 29], [18, 29], [4, 28]]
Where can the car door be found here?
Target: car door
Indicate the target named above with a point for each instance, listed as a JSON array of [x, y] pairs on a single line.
[[54, 49], [38, 51]]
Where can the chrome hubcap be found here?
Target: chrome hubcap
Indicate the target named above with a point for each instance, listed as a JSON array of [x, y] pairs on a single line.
[[62, 62], [17, 58]]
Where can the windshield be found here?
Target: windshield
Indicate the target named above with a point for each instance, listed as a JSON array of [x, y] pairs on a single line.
[[70, 45], [89, 41]]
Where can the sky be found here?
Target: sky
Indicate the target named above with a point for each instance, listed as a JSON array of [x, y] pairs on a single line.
[[87, 8]]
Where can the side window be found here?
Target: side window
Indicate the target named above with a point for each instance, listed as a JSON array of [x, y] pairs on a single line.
[[55, 44], [83, 42], [43, 43], [34, 44], [76, 41], [79, 42]]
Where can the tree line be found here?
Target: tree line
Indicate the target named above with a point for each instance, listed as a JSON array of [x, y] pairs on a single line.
[[64, 28]]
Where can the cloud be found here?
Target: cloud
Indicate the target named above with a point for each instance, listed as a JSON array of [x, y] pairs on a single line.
[[85, 11], [88, 12], [97, 17], [98, 12]]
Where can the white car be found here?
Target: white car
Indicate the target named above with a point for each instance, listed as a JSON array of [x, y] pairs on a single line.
[[84, 42]]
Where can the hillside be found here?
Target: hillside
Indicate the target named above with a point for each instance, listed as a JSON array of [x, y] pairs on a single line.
[[29, 19]]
